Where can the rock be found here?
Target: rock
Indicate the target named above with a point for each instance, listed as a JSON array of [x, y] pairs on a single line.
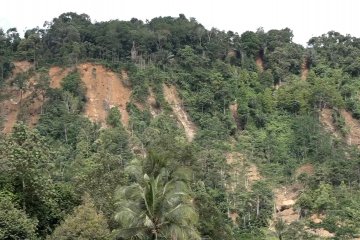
[[287, 204]]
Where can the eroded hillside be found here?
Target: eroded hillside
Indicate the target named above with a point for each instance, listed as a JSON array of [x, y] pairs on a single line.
[[175, 102], [104, 90], [15, 97]]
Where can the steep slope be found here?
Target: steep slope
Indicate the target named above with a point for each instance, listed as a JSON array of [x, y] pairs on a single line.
[[21, 67], [353, 125], [173, 99], [241, 173], [9, 112], [15, 98], [286, 197], [104, 90], [233, 109], [304, 70], [151, 101], [259, 63], [56, 75], [353, 136], [327, 121]]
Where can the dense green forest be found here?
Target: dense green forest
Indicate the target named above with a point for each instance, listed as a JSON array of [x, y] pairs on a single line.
[[224, 136]]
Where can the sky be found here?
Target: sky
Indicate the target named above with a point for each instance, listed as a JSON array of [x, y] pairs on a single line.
[[307, 18]]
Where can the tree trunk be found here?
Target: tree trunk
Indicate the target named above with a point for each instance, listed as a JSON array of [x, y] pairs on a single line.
[[23, 188], [65, 131]]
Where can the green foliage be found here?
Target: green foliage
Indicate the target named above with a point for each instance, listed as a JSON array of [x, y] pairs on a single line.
[[158, 204], [26, 172], [84, 223], [99, 168], [213, 223], [273, 122], [15, 224], [60, 119], [72, 83], [113, 118]]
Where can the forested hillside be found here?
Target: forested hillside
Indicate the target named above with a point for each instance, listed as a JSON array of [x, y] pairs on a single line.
[[168, 130]]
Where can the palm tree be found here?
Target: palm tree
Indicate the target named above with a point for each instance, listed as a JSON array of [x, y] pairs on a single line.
[[157, 206]]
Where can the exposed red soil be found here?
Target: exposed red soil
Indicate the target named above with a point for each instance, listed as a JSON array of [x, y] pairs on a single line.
[[175, 102], [304, 70], [56, 75], [233, 109], [240, 172], [104, 90], [306, 168], [11, 107], [21, 67], [259, 63], [253, 174], [317, 218], [327, 121], [285, 199], [353, 136], [151, 101], [320, 232]]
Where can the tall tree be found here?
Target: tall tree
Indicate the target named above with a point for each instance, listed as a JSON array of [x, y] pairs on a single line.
[[158, 205], [85, 223]]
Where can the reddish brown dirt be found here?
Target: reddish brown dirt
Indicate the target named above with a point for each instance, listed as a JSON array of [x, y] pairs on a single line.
[[306, 168], [56, 75], [237, 170], [231, 53], [285, 198], [11, 107], [21, 67], [140, 106], [327, 121], [104, 89], [10, 111], [353, 137], [151, 101], [240, 169], [233, 109], [304, 71], [173, 99], [321, 232], [240, 173], [233, 216], [317, 218], [259, 63], [253, 174]]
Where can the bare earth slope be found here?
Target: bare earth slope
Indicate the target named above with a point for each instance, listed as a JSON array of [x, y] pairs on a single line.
[[259, 63], [353, 136], [173, 99], [56, 75], [304, 71], [327, 121], [104, 89], [10, 108]]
